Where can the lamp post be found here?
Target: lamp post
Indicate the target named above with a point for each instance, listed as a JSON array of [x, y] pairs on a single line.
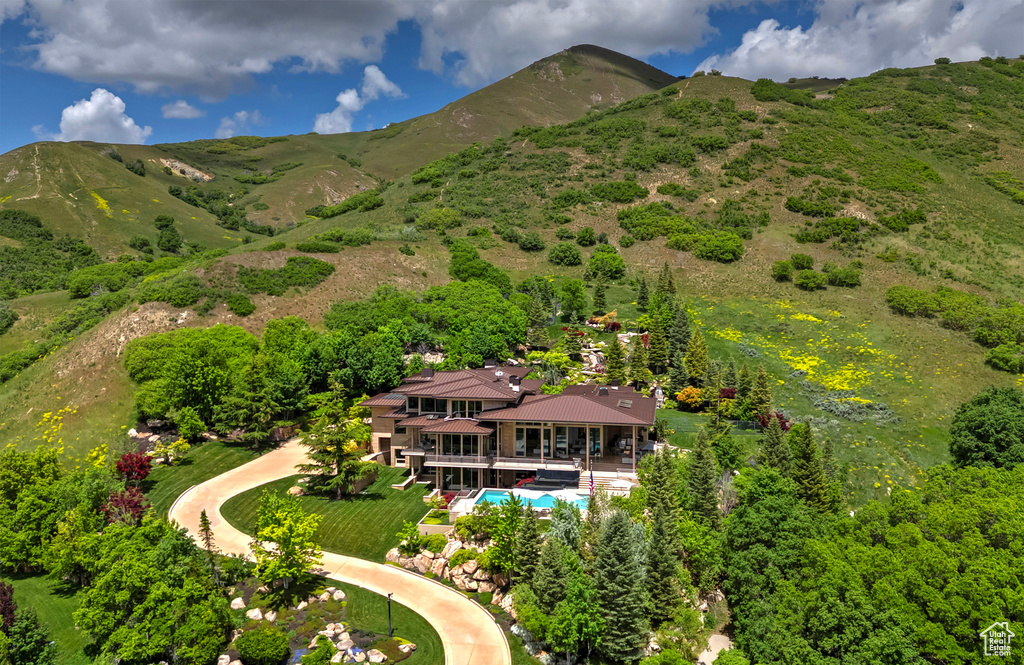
[[389, 616]]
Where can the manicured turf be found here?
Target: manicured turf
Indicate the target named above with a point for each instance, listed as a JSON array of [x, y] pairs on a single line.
[[369, 611], [166, 483], [363, 526], [519, 655], [55, 609]]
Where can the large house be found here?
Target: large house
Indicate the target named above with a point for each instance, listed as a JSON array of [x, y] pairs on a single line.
[[491, 427]]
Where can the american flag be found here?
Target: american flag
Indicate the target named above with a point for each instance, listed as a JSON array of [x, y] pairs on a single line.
[[591, 481]]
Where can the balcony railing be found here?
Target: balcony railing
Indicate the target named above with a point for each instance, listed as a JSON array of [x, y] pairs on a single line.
[[527, 463]]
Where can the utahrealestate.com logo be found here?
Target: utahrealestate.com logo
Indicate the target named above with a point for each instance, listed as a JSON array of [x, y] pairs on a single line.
[[997, 639]]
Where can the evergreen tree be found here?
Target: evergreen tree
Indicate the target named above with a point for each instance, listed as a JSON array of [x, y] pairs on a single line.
[[29, 641], [642, 296], [744, 382], [599, 296], [615, 362], [812, 487], [335, 452], [729, 376], [658, 340], [566, 524], [528, 545], [678, 377], [8, 608], [761, 393], [663, 549], [550, 577], [697, 355], [572, 343], [503, 534], [666, 286], [679, 332], [619, 579], [702, 485], [206, 536], [775, 452], [639, 372], [536, 333], [830, 467], [727, 450], [662, 484]]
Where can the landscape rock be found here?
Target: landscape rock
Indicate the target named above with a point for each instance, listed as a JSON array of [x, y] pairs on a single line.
[[408, 647], [301, 606], [406, 562], [338, 657], [470, 567], [331, 589], [506, 604], [345, 644], [237, 604], [324, 597], [427, 554], [312, 643], [224, 659], [437, 568], [264, 589], [235, 633], [270, 616], [451, 548], [480, 575], [295, 490], [500, 580], [487, 587], [235, 662], [422, 564], [255, 614], [375, 656], [497, 597], [338, 594], [393, 555], [133, 432]]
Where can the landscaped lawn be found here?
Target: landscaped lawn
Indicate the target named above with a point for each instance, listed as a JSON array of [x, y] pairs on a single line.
[[55, 608], [166, 483], [365, 525], [369, 611], [519, 655]]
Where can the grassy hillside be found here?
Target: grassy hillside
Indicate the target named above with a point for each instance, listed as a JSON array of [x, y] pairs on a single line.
[[723, 160]]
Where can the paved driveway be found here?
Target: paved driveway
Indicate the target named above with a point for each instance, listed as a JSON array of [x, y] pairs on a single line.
[[469, 634]]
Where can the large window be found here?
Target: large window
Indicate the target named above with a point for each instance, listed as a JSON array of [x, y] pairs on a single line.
[[520, 442], [412, 403], [466, 408], [595, 441], [460, 444], [431, 405]]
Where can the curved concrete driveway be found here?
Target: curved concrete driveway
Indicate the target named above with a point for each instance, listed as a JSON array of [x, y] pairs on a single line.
[[469, 634]]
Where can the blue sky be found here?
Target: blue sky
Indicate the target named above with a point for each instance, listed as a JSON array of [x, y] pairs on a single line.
[[270, 67]]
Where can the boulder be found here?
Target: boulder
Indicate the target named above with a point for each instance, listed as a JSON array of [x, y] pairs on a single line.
[[264, 589], [497, 597], [134, 433], [456, 571], [338, 594], [438, 566], [461, 581], [500, 580], [408, 647], [427, 554], [470, 567], [472, 585], [338, 657], [312, 643], [506, 604], [375, 656], [224, 659], [154, 424], [237, 604], [255, 614], [324, 597], [406, 562], [451, 548], [393, 555], [301, 606], [235, 633], [345, 644], [270, 616], [480, 575], [295, 490], [235, 662], [422, 564], [487, 587], [331, 589]]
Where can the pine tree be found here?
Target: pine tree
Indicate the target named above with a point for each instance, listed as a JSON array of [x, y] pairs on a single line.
[[642, 296], [206, 536], [727, 450], [663, 551], [536, 333], [599, 296], [678, 376], [550, 576], [729, 376], [697, 355], [830, 467], [658, 340], [679, 332], [775, 452], [639, 372], [528, 545], [761, 393], [615, 362], [703, 479], [619, 578], [744, 381], [572, 344], [666, 287], [807, 471]]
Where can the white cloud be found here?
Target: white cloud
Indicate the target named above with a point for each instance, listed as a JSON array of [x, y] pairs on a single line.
[[350, 102], [100, 118], [853, 38], [233, 124], [181, 110]]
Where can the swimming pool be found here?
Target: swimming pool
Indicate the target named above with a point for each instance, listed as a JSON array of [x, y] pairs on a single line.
[[538, 499]]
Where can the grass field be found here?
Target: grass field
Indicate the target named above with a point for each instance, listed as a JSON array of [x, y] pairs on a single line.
[[166, 483], [55, 608], [363, 526], [369, 611]]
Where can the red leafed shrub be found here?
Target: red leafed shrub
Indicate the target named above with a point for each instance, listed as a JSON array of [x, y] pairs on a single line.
[[593, 320], [580, 333], [448, 497], [727, 393], [612, 326], [524, 481], [125, 507], [765, 419], [565, 328], [7, 607], [645, 339], [134, 467]]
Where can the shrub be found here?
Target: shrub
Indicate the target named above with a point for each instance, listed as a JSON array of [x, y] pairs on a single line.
[[606, 263], [190, 425], [532, 242], [844, 277], [239, 304], [434, 543], [141, 243], [407, 250], [942, 61], [675, 189], [626, 241], [317, 247], [461, 557], [911, 302], [564, 233], [586, 237], [439, 219], [297, 271], [274, 246], [179, 291], [809, 280], [7, 317], [411, 540], [263, 646], [782, 271], [565, 254], [721, 246], [621, 191], [1007, 357], [802, 262]]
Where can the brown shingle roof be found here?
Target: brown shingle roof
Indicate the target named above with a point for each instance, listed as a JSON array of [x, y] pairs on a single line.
[[576, 408], [469, 384], [459, 426], [384, 399], [396, 413], [418, 421]]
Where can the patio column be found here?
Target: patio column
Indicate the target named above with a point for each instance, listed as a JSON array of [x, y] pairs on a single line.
[[587, 447], [542, 439], [634, 451]]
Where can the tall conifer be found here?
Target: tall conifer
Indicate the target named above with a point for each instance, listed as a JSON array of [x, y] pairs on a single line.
[[729, 377], [703, 482], [643, 296], [658, 340], [679, 332], [536, 334], [528, 546], [807, 471], [697, 355], [619, 581], [639, 372], [761, 393], [775, 452], [666, 286], [744, 382], [678, 376], [615, 362], [550, 576], [599, 296]]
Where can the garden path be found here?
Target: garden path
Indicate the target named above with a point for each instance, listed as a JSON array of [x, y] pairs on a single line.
[[469, 634]]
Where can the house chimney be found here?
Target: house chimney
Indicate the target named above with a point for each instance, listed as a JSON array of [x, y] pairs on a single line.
[[489, 363], [615, 384], [427, 372], [602, 391], [514, 382]]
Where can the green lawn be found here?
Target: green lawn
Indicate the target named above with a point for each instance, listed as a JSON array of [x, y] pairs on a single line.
[[363, 526], [519, 655], [369, 611], [166, 483], [55, 608]]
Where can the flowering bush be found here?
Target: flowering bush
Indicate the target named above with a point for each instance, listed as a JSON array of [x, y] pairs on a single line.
[[689, 398]]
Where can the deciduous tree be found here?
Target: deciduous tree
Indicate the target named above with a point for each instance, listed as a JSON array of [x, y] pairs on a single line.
[[285, 546], [134, 467]]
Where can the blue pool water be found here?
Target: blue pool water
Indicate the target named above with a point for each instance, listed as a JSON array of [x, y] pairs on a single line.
[[545, 500]]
